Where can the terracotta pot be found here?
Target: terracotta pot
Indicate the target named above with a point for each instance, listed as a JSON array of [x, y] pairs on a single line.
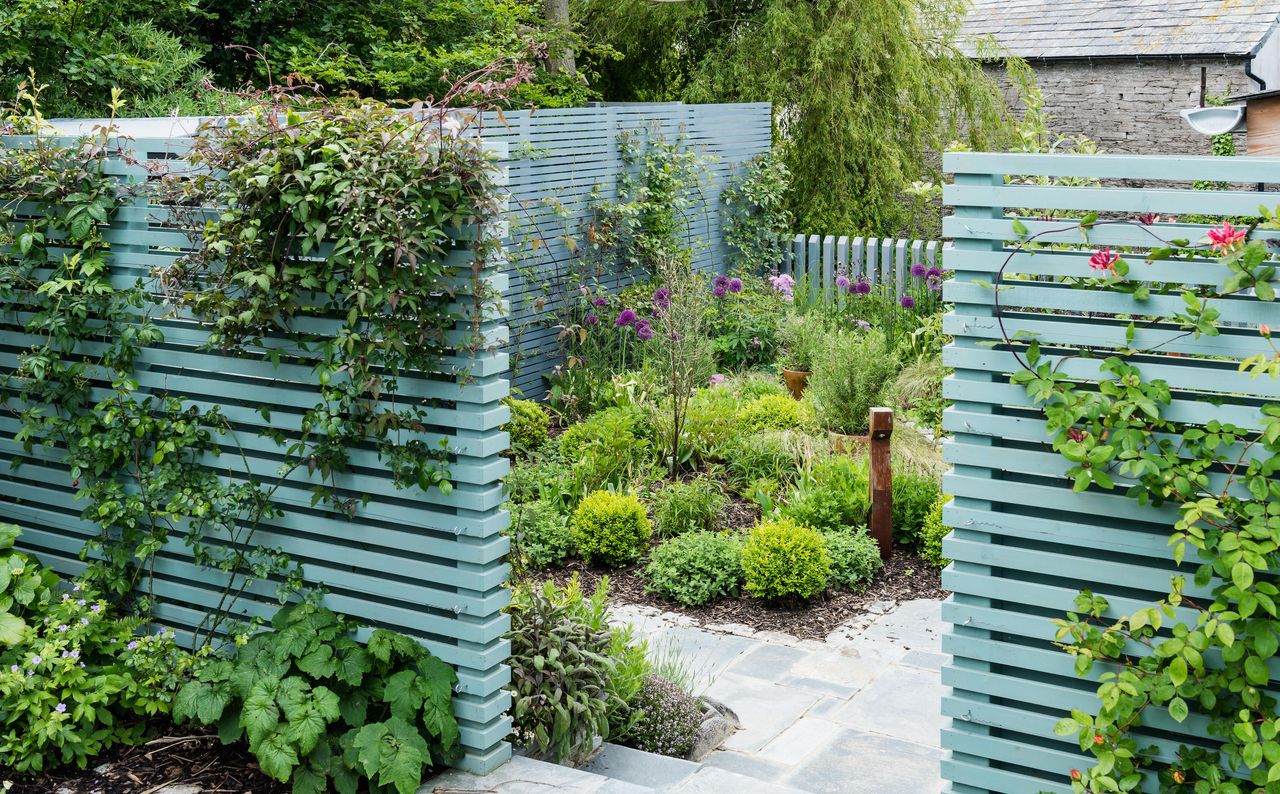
[[796, 380], [848, 445]]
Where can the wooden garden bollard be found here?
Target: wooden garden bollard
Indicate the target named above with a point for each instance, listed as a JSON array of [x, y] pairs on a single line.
[[880, 432]]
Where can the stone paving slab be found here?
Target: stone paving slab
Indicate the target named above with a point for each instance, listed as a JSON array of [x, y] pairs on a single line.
[[903, 702], [520, 775], [764, 709], [867, 762], [640, 768], [711, 780]]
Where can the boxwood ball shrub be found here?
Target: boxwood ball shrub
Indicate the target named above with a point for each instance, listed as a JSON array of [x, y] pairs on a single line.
[[851, 374], [610, 529], [696, 567], [855, 558], [669, 719], [528, 425], [688, 507], [933, 533], [540, 534], [832, 495], [770, 412], [914, 495], [783, 561]]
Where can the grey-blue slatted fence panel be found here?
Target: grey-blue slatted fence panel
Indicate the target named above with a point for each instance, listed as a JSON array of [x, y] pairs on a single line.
[[818, 259], [1023, 542], [558, 158], [425, 563]]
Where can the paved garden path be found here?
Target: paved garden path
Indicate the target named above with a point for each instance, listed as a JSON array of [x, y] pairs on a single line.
[[857, 712]]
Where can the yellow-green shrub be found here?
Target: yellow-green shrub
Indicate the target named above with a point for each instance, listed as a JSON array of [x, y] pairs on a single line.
[[932, 534], [610, 528], [785, 561], [770, 412], [527, 426]]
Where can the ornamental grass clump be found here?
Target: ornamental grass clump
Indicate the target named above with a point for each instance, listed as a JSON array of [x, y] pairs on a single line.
[[688, 507], [669, 719], [610, 529], [785, 562]]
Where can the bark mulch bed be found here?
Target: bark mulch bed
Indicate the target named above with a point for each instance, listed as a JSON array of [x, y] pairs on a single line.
[[179, 757], [905, 577]]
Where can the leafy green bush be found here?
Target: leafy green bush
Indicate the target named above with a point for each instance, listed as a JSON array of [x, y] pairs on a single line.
[[326, 712], [785, 561], [668, 721], [914, 495], [542, 477], [77, 680], [850, 376], [855, 558], [562, 672], [696, 567], [832, 495], [687, 507], [610, 528], [607, 448], [802, 336], [528, 425], [777, 455], [710, 423], [26, 587], [540, 534], [752, 385], [932, 534], [744, 327], [770, 412]]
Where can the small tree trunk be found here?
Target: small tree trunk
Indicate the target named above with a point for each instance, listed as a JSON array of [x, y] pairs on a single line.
[[560, 59]]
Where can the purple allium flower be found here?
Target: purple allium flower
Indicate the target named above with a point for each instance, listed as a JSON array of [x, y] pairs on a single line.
[[133, 645], [600, 301], [735, 285], [843, 282], [717, 379], [627, 317], [592, 320], [722, 281], [644, 330], [862, 287], [61, 708], [907, 302], [918, 270], [661, 298], [720, 290], [934, 272], [934, 284]]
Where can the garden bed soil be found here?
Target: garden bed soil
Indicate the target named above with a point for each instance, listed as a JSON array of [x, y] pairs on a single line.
[[178, 757], [904, 577]]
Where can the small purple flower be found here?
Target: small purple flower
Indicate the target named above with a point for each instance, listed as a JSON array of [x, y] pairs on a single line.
[[918, 270], [133, 645], [843, 282], [592, 320], [722, 281], [907, 302], [75, 589], [644, 330], [13, 668], [661, 298], [36, 660], [600, 301], [720, 290], [735, 285], [63, 628], [66, 597], [84, 621], [863, 325], [75, 654], [934, 272], [61, 708], [96, 608], [862, 287], [627, 317], [934, 284], [81, 602], [717, 379]]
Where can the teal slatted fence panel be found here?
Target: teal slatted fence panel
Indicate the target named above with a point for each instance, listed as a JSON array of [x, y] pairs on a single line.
[[1024, 544], [425, 563], [817, 260], [558, 157]]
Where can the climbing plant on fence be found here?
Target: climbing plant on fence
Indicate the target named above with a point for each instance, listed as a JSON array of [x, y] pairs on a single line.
[[1200, 657]]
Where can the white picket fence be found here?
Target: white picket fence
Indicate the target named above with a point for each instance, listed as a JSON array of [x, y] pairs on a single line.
[[819, 259]]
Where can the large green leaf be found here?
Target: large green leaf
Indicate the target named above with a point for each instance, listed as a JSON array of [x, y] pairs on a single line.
[[11, 629]]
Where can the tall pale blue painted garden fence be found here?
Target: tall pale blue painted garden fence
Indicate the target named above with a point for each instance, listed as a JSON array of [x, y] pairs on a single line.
[[427, 563], [1024, 544], [815, 260]]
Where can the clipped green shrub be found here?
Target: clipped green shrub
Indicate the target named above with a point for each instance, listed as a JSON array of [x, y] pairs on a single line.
[[611, 529], [851, 375], [855, 558], [914, 495], [832, 495], [785, 561], [539, 534], [696, 567], [932, 534], [688, 507], [769, 412], [562, 672], [668, 720], [528, 425]]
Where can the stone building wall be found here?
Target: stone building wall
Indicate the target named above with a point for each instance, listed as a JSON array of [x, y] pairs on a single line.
[[1131, 106]]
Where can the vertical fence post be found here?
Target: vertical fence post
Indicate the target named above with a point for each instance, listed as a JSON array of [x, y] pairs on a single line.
[[880, 433]]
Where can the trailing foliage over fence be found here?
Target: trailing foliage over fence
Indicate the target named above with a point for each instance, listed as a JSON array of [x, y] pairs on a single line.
[[1116, 439], [257, 361]]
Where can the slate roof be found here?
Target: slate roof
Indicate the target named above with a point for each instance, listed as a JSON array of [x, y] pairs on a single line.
[[1110, 28]]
